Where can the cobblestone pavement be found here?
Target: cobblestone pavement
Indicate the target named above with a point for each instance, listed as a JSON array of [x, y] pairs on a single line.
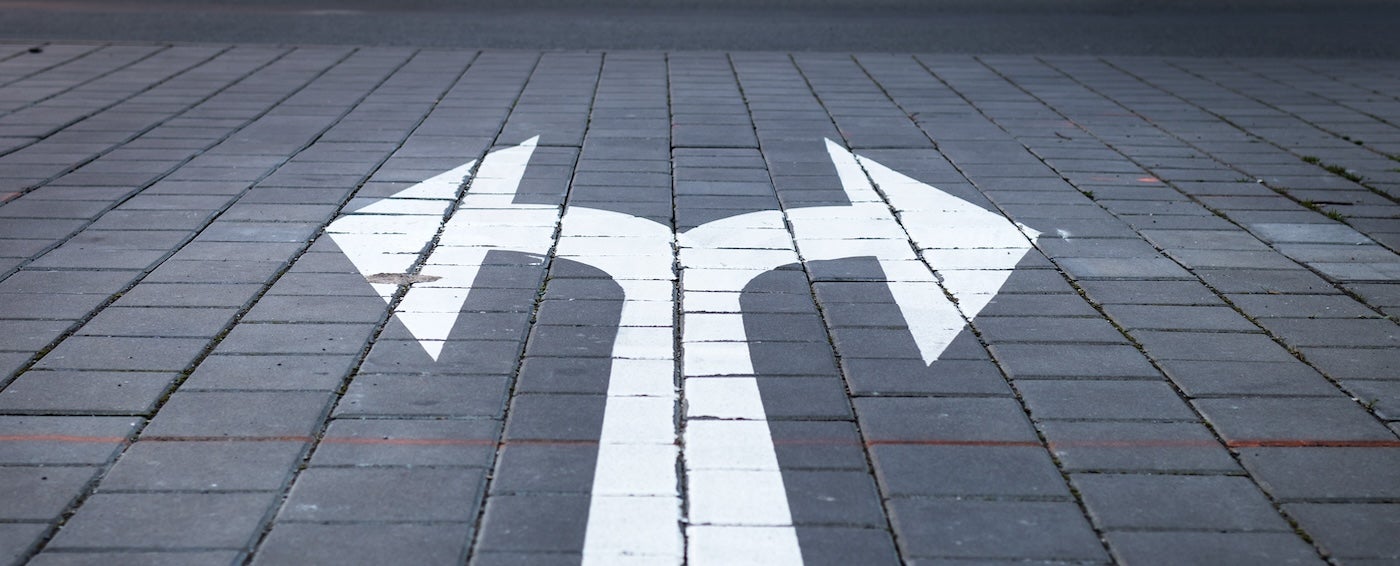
[[229, 329]]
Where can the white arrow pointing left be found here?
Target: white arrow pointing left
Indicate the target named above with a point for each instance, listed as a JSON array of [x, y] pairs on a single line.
[[384, 239]]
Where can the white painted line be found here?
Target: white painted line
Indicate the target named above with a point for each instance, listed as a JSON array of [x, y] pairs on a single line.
[[743, 546], [642, 378], [635, 476], [713, 327], [729, 445], [738, 497], [712, 301], [636, 470], [723, 398], [751, 493], [716, 358]]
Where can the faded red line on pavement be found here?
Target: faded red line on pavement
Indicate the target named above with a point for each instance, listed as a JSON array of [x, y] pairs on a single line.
[[369, 441], [68, 438], [950, 442], [1284, 443]]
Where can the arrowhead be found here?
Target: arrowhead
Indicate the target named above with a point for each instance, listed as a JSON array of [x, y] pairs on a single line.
[[972, 250], [385, 239]]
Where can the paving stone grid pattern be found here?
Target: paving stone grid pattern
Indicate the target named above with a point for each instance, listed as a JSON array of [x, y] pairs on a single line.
[[1197, 362]]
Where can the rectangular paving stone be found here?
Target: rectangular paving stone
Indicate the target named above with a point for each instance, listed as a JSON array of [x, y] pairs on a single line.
[[188, 295], [1122, 268], [172, 557], [284, 231], [833, 497], [75, 258], [555, 418], [408, 442], [822, 398], [933, 420], [967, 471], [23, 226], [1246, 378], [301, 543], [1365, 333], [1356, 363], [384, 494], [997, 330], [296, 338], [1264, 281], [1136, 446], [172, 520], [1038, 305], [459, 357], [1072, 360], [214, 272], [564, 375], [542, 558], [49, 307], [1301, 306], [1103, 399], [414, 395], [1205, 240], [1231, 259], [811, 359], [536, 522], [1098, 248], [874, 376], [881, 343], [85, 392], [35, 208], [222, 371], [1212, 346], [204, 466], [123, 219], [846, 545], [1377, 396], [1291, 419], [123, 353], [1324, 473], [1143, 501], [41, 493], [1351, 530], [17, 539], [309, 308], [159, 322], [63, 440], [200, 414], [1179, 317], [545, 467], [825, 445], [1007, 530], [54, 282], [1308, 233], [1243, 548]]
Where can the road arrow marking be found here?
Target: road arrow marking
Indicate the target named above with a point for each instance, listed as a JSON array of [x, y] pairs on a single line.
[[926, 241]]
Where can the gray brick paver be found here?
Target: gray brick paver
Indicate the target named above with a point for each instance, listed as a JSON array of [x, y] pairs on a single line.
[[1217, 355], [175, 521]]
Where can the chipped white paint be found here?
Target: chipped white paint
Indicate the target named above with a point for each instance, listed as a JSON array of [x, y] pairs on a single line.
[[738, 505]]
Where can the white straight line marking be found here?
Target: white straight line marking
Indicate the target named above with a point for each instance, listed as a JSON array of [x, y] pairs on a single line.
[[729, 445], [639, 431], [743, 545], [751, 492]]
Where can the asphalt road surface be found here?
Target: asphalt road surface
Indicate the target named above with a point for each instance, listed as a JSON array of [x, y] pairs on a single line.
[[1289, 28]]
